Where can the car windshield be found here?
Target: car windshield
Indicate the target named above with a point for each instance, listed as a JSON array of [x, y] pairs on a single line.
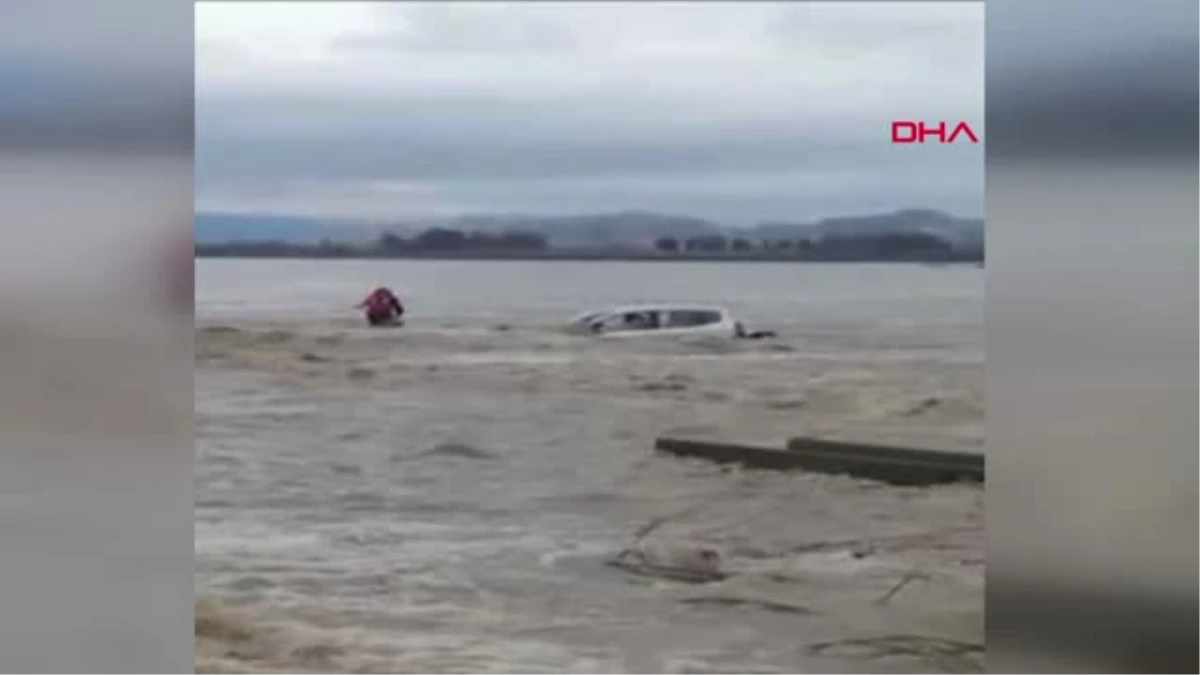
[[589, 317]]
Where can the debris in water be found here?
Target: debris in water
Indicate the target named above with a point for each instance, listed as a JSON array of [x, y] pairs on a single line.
[[631, 562], [462, 450], [949, 655], [660, 386], [689, 564], [923, 407], [909, 576], [769, 605]]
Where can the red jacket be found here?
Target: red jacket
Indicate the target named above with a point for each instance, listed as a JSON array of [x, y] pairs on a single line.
[[382, 301]]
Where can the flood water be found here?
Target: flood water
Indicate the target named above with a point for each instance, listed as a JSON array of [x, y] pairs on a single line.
[[444, 497]]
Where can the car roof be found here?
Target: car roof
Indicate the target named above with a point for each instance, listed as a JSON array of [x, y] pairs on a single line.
[[623, 309]]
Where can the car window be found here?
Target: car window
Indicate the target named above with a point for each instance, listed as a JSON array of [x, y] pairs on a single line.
[[632, 320], [642, 320], [619, 321], [692, 318]]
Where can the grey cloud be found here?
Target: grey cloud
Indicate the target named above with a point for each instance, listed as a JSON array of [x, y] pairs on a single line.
[[730, 195], [442, 139], [383, 159], [735, 198], [448, 28], [736, 124], [881, 26]]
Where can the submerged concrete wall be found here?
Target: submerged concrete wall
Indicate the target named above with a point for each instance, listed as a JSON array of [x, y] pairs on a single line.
[[890, 464]]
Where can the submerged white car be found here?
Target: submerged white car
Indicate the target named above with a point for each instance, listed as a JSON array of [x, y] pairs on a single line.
[[646, 320]]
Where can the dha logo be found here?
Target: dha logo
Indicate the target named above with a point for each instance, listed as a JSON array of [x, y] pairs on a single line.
[[918, 132]]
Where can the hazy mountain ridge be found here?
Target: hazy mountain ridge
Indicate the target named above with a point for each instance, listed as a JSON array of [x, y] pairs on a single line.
[[624, 228], [213, 227], [600, 230], [956, 230]]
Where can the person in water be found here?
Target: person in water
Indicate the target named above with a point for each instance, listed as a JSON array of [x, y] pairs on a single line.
[[382, 307], [739, 331]]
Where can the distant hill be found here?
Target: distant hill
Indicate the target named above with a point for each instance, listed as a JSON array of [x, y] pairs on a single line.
[[624, 228], [215, 228], [959, 231]]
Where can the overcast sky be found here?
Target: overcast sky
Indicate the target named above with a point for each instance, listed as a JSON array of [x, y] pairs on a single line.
[[734, 111]]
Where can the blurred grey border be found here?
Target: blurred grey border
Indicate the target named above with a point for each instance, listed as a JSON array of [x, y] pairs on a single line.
[[1092, 316], [96, 388], [85, 76], [1092, 226]]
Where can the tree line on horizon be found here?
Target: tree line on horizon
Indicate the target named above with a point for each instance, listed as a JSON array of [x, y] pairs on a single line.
[[438, 241]]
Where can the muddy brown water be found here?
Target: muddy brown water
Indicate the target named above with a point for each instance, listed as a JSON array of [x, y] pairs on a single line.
[[446, 497]]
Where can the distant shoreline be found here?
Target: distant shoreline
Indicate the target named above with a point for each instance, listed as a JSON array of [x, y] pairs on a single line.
[[441, 243], [206, 252]]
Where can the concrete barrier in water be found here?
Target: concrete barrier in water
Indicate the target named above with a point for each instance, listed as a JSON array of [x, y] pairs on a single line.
[[890, 464]]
